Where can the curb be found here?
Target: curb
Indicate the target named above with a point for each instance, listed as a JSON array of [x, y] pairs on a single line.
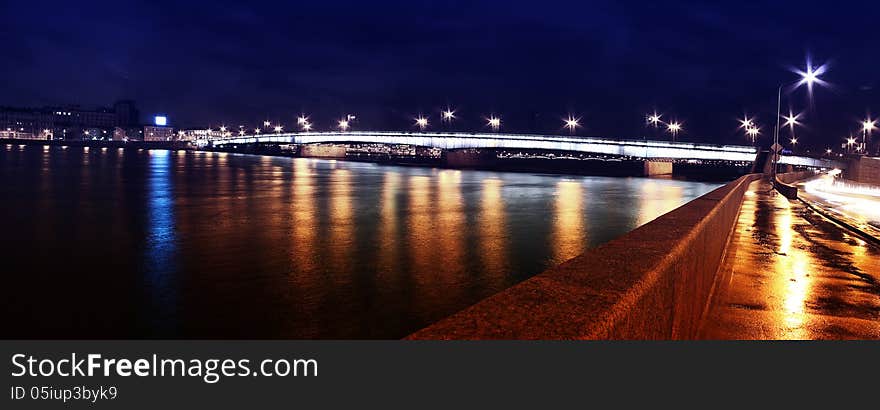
[[856, 230]]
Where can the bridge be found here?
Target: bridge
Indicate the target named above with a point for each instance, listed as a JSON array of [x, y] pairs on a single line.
[[644, 149]]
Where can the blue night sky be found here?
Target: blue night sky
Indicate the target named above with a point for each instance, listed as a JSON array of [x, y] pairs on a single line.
[[609, 62]]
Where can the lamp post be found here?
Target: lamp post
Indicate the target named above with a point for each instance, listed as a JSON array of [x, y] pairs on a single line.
[[809, 77], [421, 122], [674, 128], [494, 122], [868, 125], [572, 123]]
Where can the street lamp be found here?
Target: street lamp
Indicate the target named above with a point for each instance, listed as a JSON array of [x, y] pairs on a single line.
[[278, 129], [422, 122], [572, 123], [868, 125], [302, 119], [791, 120], [674, 128], [809, 77], [307, 126], [494, 123], [849, 143], [266, 124], [343, 125], [653, 119], [448, 115], [753, 132]]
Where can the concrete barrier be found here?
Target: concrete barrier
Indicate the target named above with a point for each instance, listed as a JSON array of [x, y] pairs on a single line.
[[652, 283], [784, 183]]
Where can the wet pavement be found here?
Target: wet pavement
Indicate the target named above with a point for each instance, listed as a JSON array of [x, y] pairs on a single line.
[[789, 273]]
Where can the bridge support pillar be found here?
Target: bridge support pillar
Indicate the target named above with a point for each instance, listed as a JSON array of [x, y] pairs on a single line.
[[657, 168]]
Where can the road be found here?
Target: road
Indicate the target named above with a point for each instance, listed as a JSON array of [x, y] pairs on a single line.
[[790, 273]]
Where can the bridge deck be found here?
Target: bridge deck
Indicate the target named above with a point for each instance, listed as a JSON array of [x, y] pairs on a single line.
[[646, 149]]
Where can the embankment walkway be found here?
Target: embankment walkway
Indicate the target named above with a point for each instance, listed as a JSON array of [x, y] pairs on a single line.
[[789, 273]]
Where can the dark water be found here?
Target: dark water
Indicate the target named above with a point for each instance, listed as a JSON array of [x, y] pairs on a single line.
[[107, 243]]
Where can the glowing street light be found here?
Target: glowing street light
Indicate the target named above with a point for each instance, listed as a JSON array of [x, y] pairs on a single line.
[[790, 121], [256, 130], [494, 122], [850, 142], [868, 125], [422, 122], [746, 123], [278, 129], [572, 123], [653, 119], [809, 76], [343, 125], [306, 126], [223, 128], [674, 128], [240, 132], [448, 115], [753, 133], [302, 119], [266, 124]]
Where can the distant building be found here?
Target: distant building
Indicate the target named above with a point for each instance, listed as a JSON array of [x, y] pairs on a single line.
[[158, 133], [25, 123], [68, 122], [195, 134], [126, 113]]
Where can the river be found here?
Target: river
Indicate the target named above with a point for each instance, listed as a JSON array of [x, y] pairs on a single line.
[[131, 243]]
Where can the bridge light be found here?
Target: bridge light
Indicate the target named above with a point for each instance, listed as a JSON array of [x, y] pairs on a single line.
[[810, 75], [256, 130], [828, 151], [869, 125], [494, 122], [674, 128], [746, 123], [278, 129], [422, 122], [266, 124], [653, 119], [793, 141], [571, 123], [223, 128], [240, 132], [302, 119], [307, 126], [791, 120], [343, 125], [448, 115]]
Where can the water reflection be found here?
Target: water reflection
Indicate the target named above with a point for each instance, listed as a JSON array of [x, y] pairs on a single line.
[[568, 238], [493, 233], [257, 247], [160, 254]]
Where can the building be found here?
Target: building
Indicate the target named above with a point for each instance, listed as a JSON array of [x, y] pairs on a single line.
[[126, 113], [67, 122], [25, 123], [158, 133]]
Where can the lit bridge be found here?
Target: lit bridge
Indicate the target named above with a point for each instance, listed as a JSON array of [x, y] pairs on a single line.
[[644, 149]]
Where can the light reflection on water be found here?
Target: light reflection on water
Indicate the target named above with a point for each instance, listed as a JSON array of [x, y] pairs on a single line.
[[228, 245]]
